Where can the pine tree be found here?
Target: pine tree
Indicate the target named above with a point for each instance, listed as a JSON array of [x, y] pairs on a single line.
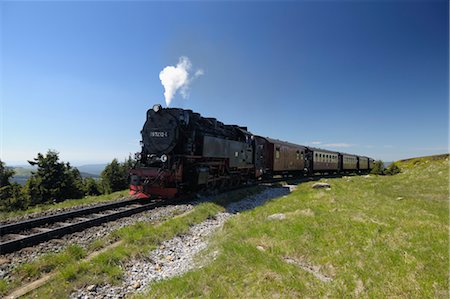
[[11, 195], [114, 177], [54, 181], [91, 187]]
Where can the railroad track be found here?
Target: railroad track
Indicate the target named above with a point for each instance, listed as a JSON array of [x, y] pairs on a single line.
[[15, 236]]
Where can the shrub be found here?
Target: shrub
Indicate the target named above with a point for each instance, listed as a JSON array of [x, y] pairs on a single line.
[[392, 169], [378, 167]]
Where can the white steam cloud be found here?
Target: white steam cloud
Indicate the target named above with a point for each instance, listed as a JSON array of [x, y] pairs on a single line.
[[175, 78]]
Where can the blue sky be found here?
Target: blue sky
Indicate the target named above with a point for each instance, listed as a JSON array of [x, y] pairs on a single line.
[[368, 78]]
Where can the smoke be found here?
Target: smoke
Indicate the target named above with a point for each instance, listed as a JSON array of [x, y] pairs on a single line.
[[177, 78]]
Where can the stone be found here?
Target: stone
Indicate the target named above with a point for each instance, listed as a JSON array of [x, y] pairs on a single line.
[[260, 248], [136, 285], [91, 288], [399, 198], [277, 216], [4, 261], [321, 185]]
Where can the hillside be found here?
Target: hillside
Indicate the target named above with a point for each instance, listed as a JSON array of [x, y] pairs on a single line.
[[365, 236], [368, 236]]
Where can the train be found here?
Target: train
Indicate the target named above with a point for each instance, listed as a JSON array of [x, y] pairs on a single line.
[[183, 152]]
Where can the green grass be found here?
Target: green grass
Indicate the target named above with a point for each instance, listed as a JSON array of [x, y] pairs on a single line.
[[375, 236], [73, 272], [27, 272], [65, 204], [49, 262], [137, 239], [69, 262]]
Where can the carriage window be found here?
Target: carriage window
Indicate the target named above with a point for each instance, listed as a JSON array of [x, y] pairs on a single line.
[[277, 153], [298, 155]]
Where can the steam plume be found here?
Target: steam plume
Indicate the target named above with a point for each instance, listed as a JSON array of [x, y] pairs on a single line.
[[175, 78]]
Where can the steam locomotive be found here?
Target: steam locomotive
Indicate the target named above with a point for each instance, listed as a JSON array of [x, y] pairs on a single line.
[[184, 152]]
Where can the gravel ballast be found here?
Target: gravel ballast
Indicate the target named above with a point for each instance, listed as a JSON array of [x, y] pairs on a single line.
[[175, 256], [84, 238]]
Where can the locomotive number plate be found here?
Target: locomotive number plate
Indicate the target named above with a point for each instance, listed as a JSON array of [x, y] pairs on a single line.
[[158, 134]]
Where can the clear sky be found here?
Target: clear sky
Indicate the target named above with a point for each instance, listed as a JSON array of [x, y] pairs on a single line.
[[368, 78]]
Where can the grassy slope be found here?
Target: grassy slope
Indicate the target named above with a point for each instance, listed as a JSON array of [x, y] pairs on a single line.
[[377, 236], [72, 272], [65, 204]]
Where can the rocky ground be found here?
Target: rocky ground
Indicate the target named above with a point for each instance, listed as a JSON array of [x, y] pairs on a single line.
[[9, 261], [176, 256]]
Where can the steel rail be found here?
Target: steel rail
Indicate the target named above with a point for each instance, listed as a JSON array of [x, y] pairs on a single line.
[[35, 222], [33, 239]]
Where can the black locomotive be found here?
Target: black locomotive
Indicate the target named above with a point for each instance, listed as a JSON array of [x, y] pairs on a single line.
[[183, 151]]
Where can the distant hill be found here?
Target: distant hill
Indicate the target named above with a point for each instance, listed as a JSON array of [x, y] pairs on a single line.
[[22, 173], [94, 169]]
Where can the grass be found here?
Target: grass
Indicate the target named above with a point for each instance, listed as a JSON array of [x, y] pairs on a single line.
[[65, 204], [137, 239], [27, 272], [73, 272], [374, 236]]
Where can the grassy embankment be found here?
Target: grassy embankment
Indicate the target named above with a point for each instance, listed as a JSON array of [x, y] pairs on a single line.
[[73, 271], [65, 204], [371, 236], [376, 236]]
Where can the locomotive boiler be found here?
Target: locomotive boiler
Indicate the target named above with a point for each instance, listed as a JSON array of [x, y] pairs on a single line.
[[183, 151]]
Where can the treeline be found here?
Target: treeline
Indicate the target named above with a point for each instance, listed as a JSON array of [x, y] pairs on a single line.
[[55, 181]]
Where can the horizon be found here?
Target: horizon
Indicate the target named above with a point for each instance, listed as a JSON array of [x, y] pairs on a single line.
[[367, 78], [83, 163]]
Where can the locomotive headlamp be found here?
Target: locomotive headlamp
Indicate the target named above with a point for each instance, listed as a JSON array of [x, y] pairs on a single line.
[[163, 158], [156, 107]]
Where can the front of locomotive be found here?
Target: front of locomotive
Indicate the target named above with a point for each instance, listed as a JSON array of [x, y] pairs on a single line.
[[158, 171]]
